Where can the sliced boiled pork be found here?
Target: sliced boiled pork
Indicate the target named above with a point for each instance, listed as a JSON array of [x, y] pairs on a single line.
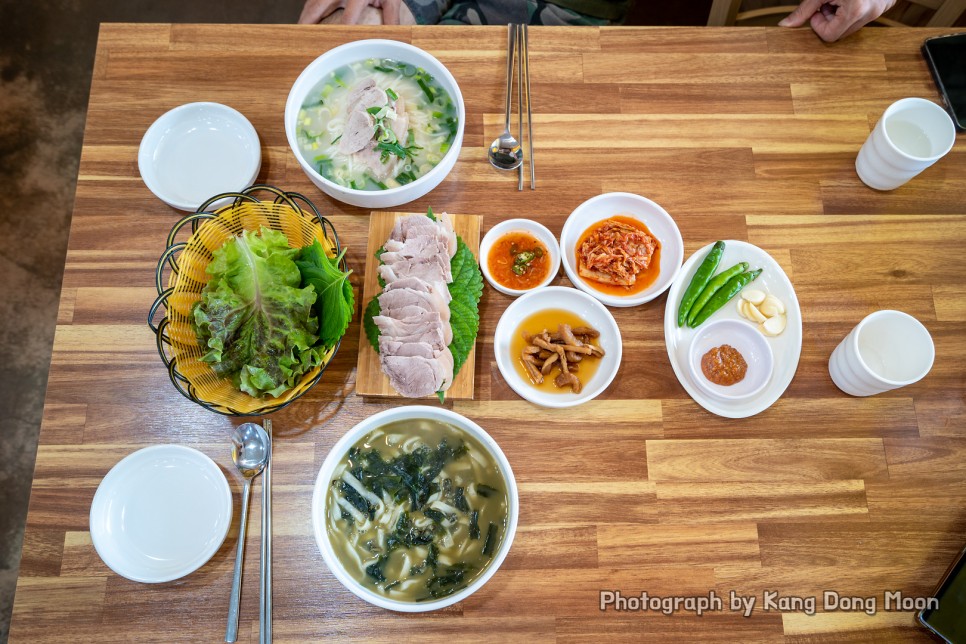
[[414, 319]]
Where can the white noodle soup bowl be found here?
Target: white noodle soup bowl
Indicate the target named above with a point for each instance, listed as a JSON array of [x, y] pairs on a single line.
[[654, 217], [357, 433], [359, 51]]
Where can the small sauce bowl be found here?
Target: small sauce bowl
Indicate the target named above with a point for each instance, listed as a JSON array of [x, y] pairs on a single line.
[[539, 231], [748, 341]]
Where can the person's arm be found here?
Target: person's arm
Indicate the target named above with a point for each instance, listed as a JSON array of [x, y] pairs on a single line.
[[835, 19], [394, 12]]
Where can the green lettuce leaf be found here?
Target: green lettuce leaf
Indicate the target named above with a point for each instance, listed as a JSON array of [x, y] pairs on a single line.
[[255, 322], [466, 289], [336, 301]]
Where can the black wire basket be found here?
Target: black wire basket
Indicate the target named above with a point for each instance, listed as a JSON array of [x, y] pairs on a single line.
[[288, 212]]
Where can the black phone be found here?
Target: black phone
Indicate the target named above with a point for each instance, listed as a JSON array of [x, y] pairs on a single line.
[[948, 618], [946, 57]]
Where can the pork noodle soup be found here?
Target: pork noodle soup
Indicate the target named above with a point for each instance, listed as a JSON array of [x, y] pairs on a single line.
[[376, 124], [416, 510]]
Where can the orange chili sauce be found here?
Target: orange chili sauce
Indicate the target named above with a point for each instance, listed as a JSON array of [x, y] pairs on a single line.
[[644, 279], [500, 261], [549, 319]]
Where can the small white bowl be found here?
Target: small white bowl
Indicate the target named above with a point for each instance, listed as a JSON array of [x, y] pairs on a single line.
[[363, 50], [657, 220], [749, 342], [196, 151], [352, 437], [541, 232], [578, 303]]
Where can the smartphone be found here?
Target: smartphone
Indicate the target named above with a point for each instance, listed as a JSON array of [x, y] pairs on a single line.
[[946, 57], [949, 620]]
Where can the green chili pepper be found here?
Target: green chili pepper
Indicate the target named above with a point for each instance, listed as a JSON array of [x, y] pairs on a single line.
[[701, 278], [723, 295], [522, 262], [716, 283]]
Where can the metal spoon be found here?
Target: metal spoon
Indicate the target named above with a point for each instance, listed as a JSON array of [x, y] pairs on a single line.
[[505, 152], [250, 450]]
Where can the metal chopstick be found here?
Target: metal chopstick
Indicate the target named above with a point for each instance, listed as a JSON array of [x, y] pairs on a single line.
[[526, 73], [265, 578], [519, 56]]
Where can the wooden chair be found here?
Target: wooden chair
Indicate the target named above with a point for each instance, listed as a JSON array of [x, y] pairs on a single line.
[[904, 14]]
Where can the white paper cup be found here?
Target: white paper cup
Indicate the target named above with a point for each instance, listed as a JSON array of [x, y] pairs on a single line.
[[886, 350], [912, 134]]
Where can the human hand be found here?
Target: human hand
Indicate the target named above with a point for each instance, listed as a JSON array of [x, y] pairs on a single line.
[[835, 19], [315, 11]]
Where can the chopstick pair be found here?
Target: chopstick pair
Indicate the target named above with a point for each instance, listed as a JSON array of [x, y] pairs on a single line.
[[520, 36], [265, 560]]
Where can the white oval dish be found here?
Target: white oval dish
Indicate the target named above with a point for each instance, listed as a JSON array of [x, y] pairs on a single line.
[[748, 341], [161, 513], [353, 436], [196, 151], [362, 50], [582, 305], [541, 232], [657, 220], [786, 348]]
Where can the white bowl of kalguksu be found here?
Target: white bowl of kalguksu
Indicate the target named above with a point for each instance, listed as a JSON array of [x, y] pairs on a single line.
[[329, 530], [365, 50]]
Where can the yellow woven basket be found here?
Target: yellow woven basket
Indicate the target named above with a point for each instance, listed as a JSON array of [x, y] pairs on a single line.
[[188, 262]]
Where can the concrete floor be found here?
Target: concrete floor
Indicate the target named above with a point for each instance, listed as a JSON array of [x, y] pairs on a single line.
[[46, 55]]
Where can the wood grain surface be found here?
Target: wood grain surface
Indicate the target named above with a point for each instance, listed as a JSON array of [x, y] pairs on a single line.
[[740, 133], [370, 380]]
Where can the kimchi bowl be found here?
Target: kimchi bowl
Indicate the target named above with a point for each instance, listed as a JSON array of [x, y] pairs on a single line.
[[619, 284]]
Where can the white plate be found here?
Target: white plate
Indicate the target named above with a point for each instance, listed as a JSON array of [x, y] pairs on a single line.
[[160, 513], [786, 348], [579, 303], [197, 151], [657, 220], [539, 231]]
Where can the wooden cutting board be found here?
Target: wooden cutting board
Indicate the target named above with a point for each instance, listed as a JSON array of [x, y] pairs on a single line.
[[370, 380]]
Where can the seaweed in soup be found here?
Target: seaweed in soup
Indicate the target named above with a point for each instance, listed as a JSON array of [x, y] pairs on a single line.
[[406, 505]]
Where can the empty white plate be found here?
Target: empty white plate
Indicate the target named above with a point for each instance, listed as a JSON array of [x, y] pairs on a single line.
[[197, 151], [160, 513]]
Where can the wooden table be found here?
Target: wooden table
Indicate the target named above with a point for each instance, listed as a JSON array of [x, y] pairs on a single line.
[[739, 133]]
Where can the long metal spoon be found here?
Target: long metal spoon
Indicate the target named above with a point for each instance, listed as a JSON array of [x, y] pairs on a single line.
[[505, 152], [250, 450]]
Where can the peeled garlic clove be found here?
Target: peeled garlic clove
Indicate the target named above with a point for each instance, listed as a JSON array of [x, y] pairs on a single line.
[[772, 306], [741, 309], [773, 326], [754, 314], [753, 295]]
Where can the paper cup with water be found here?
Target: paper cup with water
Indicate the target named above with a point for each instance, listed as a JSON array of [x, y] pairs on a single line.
[[886, 350], [912, 134]]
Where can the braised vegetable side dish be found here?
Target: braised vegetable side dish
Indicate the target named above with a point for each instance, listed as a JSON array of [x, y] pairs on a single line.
[[519, 261], [724, 365], [557, 351], [619, 256], [416, 510], [269, 313]]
